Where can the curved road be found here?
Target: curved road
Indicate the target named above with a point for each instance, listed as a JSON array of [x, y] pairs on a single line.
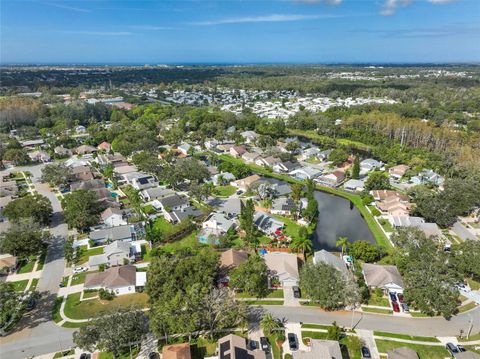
[[36, 333]]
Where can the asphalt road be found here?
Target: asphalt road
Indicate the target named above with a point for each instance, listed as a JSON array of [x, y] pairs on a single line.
[[36, 333], [414, 326]]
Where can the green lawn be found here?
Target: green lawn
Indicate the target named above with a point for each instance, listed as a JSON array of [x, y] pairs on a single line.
[[189, 241], [471, 337], [224, 191], [354, 198], [146, 253], [74, 309], [314, 335], [473, 284], [405, 336], [80, 277], [20, 285], [275, 293], [86, 253], [64, 353], [149, 209], [466, 307], [41, 258], [291, 227], [64, 281], [419, 315], [386, 225], [315, 326], [264, 302], [126, 355], [34, 284], [90, 294], [276, 351], [163, 226], [26, 266], [378, 301], [376, 310], [423, 351], [56, 310]]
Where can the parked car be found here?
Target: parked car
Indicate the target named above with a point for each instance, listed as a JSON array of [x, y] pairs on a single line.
[[366, 353], [396, 308], [239, 192], [252, 344], [452, 348], [77, 270], [153, 355], [296, 292], [292, 341], [461, 348], [264, 345], [400, 297], [85, 356], [405, 308], [393, 296], [31, 303]]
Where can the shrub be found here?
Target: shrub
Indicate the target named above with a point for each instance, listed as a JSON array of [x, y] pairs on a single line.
[[105, 294], [376, 212]]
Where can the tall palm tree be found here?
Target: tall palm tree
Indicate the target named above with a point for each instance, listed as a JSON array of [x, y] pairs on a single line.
[[269, 324], [342, 242], [303, 244]]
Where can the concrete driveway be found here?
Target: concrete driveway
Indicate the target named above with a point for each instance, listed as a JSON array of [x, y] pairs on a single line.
[[295, 328]]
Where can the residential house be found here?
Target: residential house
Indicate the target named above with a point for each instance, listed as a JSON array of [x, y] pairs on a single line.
[[62, 151], [427, 177], [237, 151], [113, 217], [73, 162], [285, 167], [177, 216], [140, 180], [231, 207], [176, 351], [269, 161], [334, 178], [88, 184], [397, 172], [80, 129], [402, 353], [171, 203], [354, 185], [304, 173], [267, 224], [123, 170], [282, 268], [235, 347], [284, 206], [309, 153], [8, 263], [184, 149], [320, 349], [323, 155], [115, 254], [110, 234], [232, 258], [118, 280], [105, 146], [84, 149], [216, 225], [249, 136], [369, 165], [222, 178], [39, 156], [325, 257], [245, 183], [116, 160], [250, 157], [430, 229], [211, 144], [392, 202], [153, 193], [82, 173], [31, 144], [386, 277]]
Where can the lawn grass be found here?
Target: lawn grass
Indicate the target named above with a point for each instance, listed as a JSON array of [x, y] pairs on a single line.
[[56, 310], [79, 278], [264, 302], [90, 294], [85, 253], [377, 310], [20, 285], [34, 284], [73, 325], [41, 258], [276, 351], [189, 241], [74, 309], [224, 191], [163, 226], [474, 285], [466, 307], [377, 300], [315, 326], [377, 232], [26, 266], [64, 281], [146, 253], [291, 227], [423, 351], [419, 315], [406, 336], [314, 335], [470, 338], [64, 353], [275, 293]]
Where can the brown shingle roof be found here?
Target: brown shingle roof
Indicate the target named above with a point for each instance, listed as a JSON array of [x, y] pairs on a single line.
[[232, 258], [113, 277], [176, 351]]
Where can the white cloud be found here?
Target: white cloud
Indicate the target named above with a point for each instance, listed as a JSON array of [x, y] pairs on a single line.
[[389, 7], [265, 18], [151, 27], [68, 7], [328, 2]]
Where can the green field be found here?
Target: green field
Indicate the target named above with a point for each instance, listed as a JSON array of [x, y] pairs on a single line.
[[405, 336], [224, 191], [423, 351]]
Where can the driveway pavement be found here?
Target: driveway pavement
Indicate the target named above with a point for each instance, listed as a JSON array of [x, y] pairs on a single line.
[[295, 328], [36, 333], [288, 298], [366, 336]]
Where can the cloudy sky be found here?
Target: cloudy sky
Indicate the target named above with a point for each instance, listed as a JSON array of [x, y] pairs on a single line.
[[235, 31]]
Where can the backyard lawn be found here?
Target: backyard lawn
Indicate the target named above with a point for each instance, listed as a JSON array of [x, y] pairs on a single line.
[[20, 285], [75, 309], [224, 191], [291, 227], [86, 253], [423, 351], [189, 241]]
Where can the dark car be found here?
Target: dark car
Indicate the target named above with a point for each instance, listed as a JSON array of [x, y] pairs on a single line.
[[296, 292], [366, 353], [393, 296], [153, 355], [461, 348], [396, 308], [85, 356], [252, 344], [292, 341], [400, 297], [452, 348], [405, 308], [264, 345], [31, 303]]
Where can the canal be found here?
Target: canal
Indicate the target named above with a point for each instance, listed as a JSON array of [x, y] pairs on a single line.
[[338, 217]]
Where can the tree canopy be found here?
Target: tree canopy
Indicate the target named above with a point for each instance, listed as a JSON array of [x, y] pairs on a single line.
[[34, 206]]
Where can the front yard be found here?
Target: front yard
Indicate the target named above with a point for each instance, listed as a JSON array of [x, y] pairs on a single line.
[[377, 300], [423, 351], [224, 191], [84, 253], [76, 309]]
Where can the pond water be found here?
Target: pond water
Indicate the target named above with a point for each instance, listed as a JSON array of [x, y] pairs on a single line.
[[338, 217]]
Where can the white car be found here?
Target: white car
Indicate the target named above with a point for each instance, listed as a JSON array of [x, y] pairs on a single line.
[[79, 270]]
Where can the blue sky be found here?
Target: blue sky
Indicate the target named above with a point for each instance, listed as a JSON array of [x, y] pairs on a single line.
[[229, 31]]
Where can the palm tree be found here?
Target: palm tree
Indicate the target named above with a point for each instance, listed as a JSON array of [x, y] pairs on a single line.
[[342, 242], [303, 244], [269, 324]]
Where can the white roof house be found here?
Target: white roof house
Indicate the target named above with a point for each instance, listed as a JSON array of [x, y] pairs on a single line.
[[354, 185], [304, 173]]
